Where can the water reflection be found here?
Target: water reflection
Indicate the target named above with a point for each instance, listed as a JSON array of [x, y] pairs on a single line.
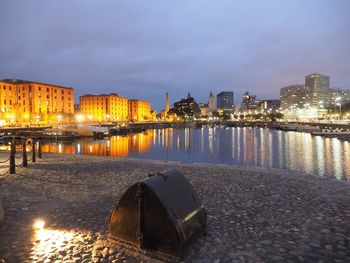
[[246, 146]]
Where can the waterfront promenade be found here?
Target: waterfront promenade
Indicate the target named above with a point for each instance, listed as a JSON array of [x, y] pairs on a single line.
[[254, 215]]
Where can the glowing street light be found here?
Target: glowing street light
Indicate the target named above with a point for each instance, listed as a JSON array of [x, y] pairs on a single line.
[[39, 224], [79, 117]]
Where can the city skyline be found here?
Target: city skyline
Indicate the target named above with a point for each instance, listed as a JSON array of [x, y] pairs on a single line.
[[203, 46]]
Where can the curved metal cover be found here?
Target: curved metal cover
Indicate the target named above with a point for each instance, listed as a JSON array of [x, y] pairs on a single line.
[[160, 213], [1, 211]]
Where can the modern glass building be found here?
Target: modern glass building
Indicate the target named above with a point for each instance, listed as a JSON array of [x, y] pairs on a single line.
[[225, 100]]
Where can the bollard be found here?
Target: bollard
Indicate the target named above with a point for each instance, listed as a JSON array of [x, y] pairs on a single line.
[[12, 157], [39, 149], [25, 159], [33, 151]]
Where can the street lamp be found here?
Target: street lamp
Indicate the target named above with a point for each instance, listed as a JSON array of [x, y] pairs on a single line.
[[320, 103], [338, 104]]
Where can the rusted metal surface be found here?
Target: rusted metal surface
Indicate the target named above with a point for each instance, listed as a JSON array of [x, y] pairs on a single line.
[[160, 214]]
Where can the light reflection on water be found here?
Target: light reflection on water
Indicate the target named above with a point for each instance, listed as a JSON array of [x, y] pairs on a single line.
[[243, 146]]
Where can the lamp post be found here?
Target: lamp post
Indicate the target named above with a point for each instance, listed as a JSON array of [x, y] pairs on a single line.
[[320, 103], [59, 118], [338, 104]]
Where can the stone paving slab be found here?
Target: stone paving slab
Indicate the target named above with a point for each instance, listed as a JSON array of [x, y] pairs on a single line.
[[254, 215]]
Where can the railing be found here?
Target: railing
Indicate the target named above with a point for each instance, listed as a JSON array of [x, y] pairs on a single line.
[[18, 150]]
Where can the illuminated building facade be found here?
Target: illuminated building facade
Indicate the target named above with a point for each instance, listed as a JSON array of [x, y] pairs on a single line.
[[139, 110], [343, 95], [293, 97], [104, 107], [318, 86], [186, 108], [271, 106], [224, 100], [28, 101], [248, 102]]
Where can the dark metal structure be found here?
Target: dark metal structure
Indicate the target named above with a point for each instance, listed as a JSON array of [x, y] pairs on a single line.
[[160, 214]]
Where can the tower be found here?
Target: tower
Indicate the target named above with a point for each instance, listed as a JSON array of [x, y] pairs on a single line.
[[166, 103], [211, 102]]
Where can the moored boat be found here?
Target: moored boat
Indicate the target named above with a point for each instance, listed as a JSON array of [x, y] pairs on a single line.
[[331, 132]]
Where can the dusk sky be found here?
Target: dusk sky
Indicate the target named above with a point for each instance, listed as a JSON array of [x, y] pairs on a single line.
[[143, 49]]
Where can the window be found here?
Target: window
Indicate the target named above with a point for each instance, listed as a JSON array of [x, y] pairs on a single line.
[[47, 89], [39, 88]]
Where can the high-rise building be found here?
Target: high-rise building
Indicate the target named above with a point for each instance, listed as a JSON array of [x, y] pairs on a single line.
[[26, 101], [225, 100], [318, 86], [139, 110], [104, 107], [211, 102], [248, 102], [294, 97]]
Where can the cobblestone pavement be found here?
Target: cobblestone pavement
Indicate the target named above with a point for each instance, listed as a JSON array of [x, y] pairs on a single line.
[[254, 215]]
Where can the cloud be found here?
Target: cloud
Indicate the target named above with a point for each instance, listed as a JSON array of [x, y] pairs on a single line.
[[142, 49]]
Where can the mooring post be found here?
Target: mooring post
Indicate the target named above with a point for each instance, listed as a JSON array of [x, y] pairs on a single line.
[[24, 153], [39, 149], [33, 151], [12, 156]]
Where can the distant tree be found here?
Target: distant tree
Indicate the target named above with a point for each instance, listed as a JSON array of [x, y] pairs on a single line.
[[259, 116], [279, 115], [226, 116]]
